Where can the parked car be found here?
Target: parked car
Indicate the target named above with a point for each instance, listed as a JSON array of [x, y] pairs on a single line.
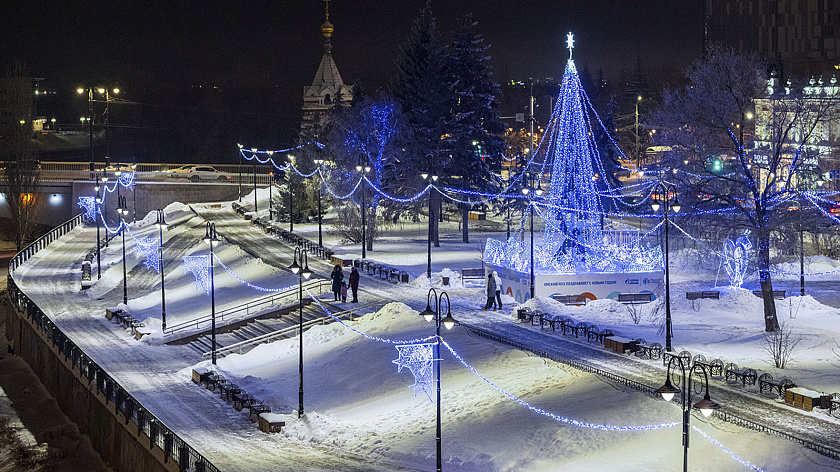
[[118, 166], [197, 173]]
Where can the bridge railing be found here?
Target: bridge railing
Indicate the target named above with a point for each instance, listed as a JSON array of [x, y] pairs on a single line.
[[51, 171], [172, 445], [246, 310]]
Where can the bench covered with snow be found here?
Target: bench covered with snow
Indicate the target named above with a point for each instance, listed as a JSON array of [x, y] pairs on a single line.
[[472, 273], [806, 399], [271, 422], [713, 295], [574, 300], [766, 382], [619, 345], [777, 294], [745, 375], [635, 298]]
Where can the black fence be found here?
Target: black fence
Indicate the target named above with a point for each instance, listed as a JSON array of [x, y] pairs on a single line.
[[651, 391], [173, 447]]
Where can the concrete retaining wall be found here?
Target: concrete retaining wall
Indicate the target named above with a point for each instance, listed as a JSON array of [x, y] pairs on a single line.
[[123, 447]]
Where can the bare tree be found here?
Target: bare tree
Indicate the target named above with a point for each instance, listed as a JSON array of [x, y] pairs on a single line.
[[21, 170], [779, 344], [704, 123]]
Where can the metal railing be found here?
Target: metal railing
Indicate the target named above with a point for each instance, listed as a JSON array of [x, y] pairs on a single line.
[[173, 446], [649, 390], [246, 310]]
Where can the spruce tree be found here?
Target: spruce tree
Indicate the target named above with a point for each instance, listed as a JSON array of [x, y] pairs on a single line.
[[475, 133]]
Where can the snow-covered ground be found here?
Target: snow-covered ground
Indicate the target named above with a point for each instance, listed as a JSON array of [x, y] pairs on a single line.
[[360, 411]]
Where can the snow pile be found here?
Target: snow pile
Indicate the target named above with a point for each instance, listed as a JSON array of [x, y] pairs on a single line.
[[818, 265], [455, 280]]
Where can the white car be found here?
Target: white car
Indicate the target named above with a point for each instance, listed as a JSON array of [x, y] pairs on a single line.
[[198, 173]]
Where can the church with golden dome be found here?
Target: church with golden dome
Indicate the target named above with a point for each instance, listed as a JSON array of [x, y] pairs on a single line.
[[327, 88]]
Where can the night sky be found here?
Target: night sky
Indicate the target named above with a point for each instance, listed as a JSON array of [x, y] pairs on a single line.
[[279, 43]]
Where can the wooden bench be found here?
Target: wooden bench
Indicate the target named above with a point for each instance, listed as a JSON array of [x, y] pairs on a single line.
[[684, 355], [534, 317], [714, 368], [242, 400], [472, 274], [573, 300], [228, 390], [777, 294], [270, 422], [806, 399], [766, 382], [619, 345], [256, 409], [701, 295], [343, 261], [213, 380], [552, 320], [736, 374], [635, 298], [651, 351]]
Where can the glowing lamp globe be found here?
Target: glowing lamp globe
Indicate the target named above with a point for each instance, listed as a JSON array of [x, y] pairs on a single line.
[[668, 390]]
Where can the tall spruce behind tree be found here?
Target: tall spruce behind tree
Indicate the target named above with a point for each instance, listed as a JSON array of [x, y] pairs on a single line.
[[423, 96], [475, 133]]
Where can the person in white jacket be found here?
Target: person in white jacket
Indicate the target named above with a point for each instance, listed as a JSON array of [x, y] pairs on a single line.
[[498, 288]]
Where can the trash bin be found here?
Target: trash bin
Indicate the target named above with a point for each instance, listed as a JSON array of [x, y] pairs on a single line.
[[446, 281]]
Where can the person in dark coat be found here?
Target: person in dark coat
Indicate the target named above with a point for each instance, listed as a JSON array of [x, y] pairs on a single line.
[[491, 293], [337, 277], [354, 284]]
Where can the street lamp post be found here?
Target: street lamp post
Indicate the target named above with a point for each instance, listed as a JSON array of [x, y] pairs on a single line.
[[303, 273], [89, 90], [161, 225], [538, 191], [430, 178], [97, 200], [319, 163], [662, 197], [239, 191], [362, 170], [270, 196], [291, 159], [104, 180], [254, 150], [429, 314], [706, 406], [123, 210], [211, 238]]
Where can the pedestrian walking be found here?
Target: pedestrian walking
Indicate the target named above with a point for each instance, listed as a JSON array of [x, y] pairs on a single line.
[[343, 292], [498, 281], [354, 284], [337, 277], [491, 293]]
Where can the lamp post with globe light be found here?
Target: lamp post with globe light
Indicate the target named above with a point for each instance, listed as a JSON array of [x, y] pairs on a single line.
[[430, 178], [302, 272], [665, 196], [706, 406], [529, 187], [161, 225], [211, 238], [448, 322]]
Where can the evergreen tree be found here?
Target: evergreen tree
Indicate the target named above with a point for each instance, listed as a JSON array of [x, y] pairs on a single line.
[[423, 96], [475, 133], [604, 138]]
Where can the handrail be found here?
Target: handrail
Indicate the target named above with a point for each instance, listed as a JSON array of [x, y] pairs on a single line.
[[173, 446], [247, 308]]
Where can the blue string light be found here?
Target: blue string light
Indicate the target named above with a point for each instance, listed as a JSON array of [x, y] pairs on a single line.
[[734, 456], [248, 284]]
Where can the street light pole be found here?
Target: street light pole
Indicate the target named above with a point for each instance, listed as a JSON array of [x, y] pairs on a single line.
[[97, 200], [239, 192], [161, 225], [270, 196], [637, 150], [426, 177], [291, 159], [447, 322], [211, 238], [303, 273], [666, 192], [254, 150], [538, 191], [319, 162], [706, 406], [123, 210], [362, 170]]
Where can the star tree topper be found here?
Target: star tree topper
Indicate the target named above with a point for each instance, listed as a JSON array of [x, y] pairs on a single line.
[[419, 358], [570, 43]]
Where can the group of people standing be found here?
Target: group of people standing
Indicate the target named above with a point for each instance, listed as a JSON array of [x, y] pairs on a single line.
[[339, 286], [494, 291]]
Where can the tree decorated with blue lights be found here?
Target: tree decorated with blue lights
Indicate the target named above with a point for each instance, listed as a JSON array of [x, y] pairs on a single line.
[[573, 239]]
